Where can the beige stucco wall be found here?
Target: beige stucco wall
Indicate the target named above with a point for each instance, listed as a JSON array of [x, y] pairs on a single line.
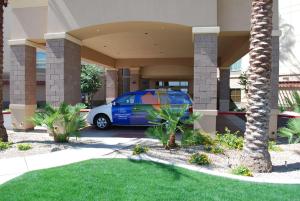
[[64, 15], [234, 15], [164, 72]]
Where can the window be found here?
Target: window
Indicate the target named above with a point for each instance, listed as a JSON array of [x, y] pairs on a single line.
[[235, 95], [126, 100], [41, 60], [236, 66]]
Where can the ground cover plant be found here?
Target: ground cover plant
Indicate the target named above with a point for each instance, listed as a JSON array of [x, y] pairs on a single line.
[[139, 149], [24, 147], [199, 159], [242, 171], [121, 179], [5, 145], [230, 140]]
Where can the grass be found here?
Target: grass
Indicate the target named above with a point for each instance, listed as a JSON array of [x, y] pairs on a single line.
[[121, 179]]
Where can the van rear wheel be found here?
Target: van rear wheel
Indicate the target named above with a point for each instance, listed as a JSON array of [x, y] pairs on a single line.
[[102, 122]]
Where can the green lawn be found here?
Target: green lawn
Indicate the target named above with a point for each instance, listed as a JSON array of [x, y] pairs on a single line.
[[120, 179]]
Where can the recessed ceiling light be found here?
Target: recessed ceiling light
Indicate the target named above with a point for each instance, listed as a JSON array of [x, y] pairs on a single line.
[[104, 46], [146, 33]]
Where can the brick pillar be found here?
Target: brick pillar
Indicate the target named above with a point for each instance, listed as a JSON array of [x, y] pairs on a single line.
[[274, 87], [205, 77], [134, 79], [224, 90], [63, 72], [191, 88], [111, 84], [22, 86], [152, 84]]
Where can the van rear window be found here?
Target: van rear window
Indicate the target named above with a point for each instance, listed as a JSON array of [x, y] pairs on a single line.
[[179, 99]]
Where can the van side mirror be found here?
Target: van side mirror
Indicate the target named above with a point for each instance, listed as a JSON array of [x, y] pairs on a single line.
[[114, 103]]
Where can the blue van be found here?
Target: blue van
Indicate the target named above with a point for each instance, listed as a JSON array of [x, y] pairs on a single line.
[[131, 108]]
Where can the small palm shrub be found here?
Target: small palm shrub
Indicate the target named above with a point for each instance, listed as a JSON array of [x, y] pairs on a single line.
[[139, 149], [199, 159], [291, 131], [272, 146], [5, 145], [214, 149], [167, 122], [61, 122], [230, 140], [24, 147], [242, 171], [196, 137]]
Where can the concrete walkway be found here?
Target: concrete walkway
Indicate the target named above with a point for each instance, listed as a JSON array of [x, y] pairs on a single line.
[[13, 167]]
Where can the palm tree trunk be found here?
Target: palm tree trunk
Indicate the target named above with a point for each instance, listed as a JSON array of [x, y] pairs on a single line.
[[172, 141], [255, 153], [3, 133]]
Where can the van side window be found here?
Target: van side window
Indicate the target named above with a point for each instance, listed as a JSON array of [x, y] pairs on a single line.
[[149, 98], [164, 98], [126, 100], [179, 99]]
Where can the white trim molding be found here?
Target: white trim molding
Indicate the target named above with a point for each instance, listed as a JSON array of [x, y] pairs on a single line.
[[276, 33], [14, 42], [206, 30], [62, 35], [206, 112]]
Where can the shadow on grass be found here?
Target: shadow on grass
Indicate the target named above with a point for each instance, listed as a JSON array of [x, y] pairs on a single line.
[[171, 169]]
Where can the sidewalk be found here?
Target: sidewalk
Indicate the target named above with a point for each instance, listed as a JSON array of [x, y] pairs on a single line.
[[13, 167]]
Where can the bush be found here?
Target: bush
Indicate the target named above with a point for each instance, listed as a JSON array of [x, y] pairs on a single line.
[[230, 140], [215, 149], [61, 122], [196, 137], [139, 149], [5, 145], [272, 146], [242, 170], [24, 147], [199, 159]]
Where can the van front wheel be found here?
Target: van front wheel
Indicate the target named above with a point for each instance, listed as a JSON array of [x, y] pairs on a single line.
[[102, 122]]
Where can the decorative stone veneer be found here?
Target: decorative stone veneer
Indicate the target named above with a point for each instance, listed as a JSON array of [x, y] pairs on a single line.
[[134, 79], [274, 87], [205, 80], [23, 75], [224, 89], [111, 84], [63, 72], [22, 86]]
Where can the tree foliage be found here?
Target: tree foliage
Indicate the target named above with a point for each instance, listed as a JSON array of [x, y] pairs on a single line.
[[90, 80]]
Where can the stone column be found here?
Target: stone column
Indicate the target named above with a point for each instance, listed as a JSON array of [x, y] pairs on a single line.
[[134, 79], [152, 84], [111, 84], [205, 77], [63, 71], [22, 85], [224, 90], [191, 88], [274, 85]]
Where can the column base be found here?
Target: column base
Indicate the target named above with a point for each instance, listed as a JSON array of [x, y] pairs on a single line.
[[207, 122], [20, 116], [273, 124]]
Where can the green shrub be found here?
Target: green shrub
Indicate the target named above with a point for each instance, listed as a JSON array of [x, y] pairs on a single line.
[[139, 149], [230, 140], [242, 170], [291, 131], [272, 146], [5, 145], [196, 137], [168, 122], [199, 159], [24, 147], [61, 122], [215, 149]]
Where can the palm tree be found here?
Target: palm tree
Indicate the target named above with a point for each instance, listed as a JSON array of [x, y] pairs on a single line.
[[255, 153], [3, 133]]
